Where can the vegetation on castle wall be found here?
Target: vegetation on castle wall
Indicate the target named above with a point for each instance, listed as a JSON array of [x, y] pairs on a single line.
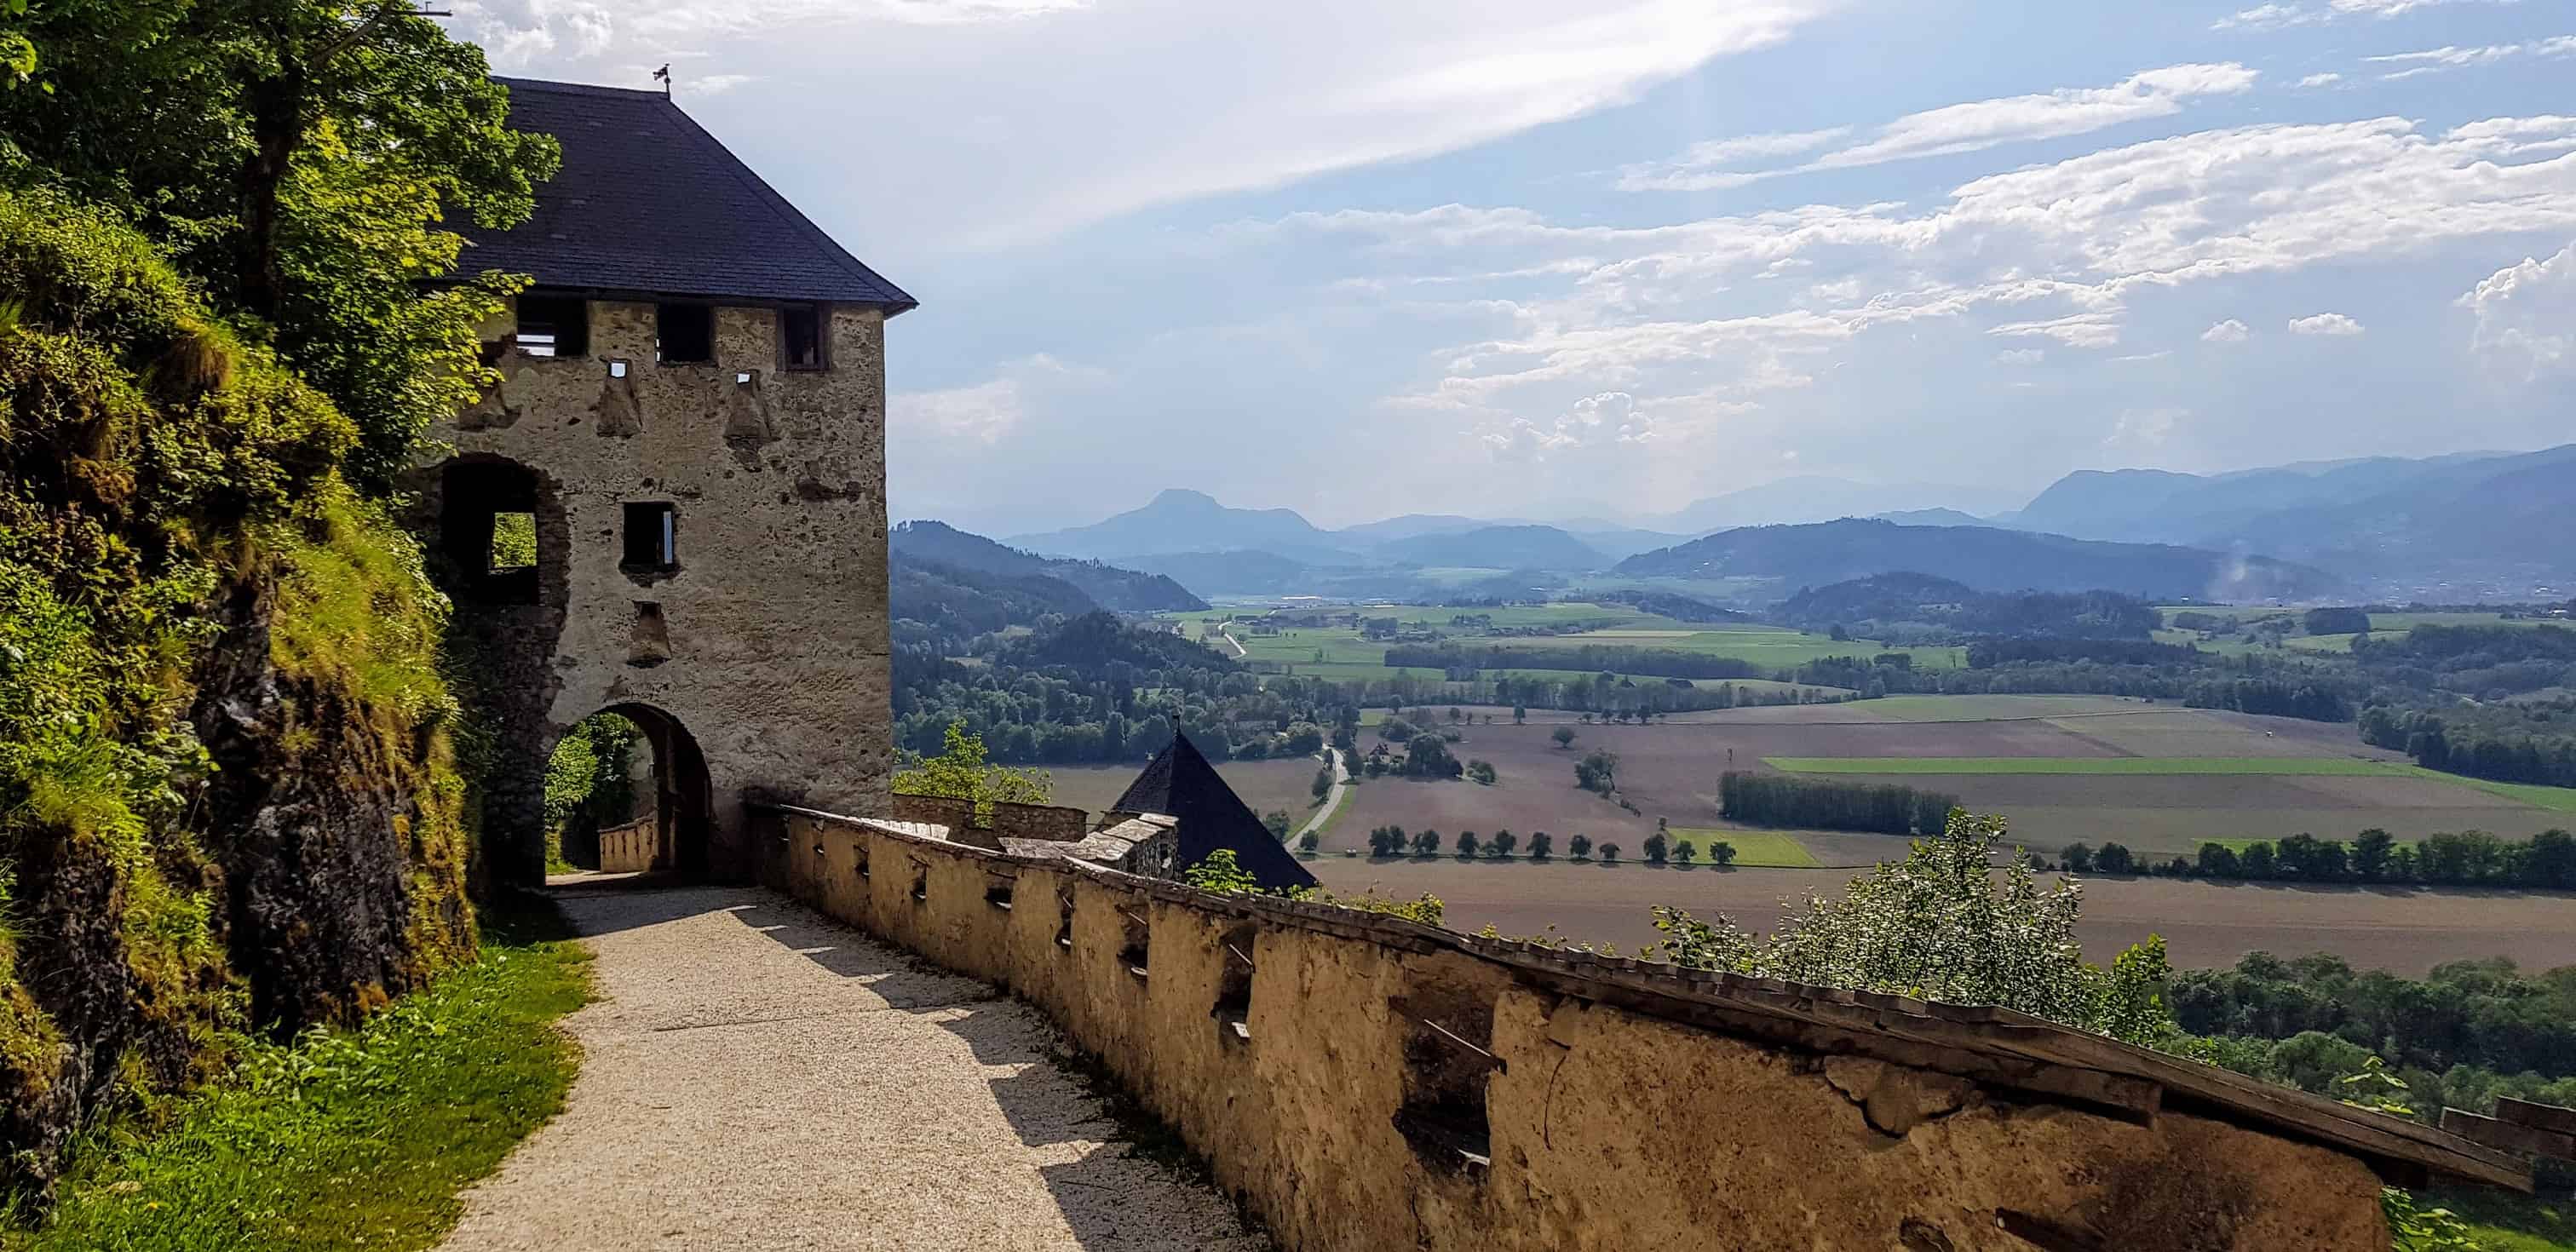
[[162, 483], [229, 793]]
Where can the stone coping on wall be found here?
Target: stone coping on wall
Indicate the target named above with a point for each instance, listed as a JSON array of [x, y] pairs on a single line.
[[1993, 1046]]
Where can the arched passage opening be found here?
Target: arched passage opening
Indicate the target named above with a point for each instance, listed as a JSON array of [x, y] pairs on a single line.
[[627, 792]]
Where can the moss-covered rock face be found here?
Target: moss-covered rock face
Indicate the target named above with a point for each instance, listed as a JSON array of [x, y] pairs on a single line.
[[227, 796]]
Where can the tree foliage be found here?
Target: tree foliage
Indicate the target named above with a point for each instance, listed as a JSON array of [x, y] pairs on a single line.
[[1830, 804], [962, 773], [1937, 926], [304, 164]]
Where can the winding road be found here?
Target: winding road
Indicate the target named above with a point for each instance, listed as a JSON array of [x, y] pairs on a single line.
[[1332, 798]]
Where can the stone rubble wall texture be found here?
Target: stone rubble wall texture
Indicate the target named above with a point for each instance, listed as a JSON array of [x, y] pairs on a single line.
[[1609, 1129], [774, 625]]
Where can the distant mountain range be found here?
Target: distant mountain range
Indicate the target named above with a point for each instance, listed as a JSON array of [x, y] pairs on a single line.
[[1817, 498], [2460, 527], [1983, 557], [2466, 526]]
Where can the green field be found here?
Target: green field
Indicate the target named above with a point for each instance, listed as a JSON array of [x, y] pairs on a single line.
[[1758, 849], [2319, 766], [1339, 653]]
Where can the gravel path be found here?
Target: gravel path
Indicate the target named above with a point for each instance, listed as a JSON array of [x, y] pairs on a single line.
[[756, 1077]]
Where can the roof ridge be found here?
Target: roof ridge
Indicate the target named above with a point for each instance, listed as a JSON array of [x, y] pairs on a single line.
[[759, 187], [550, 84]]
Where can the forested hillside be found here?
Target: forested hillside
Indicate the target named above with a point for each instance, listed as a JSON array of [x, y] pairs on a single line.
[[230, 787], [1123, 590], [1908, 607]]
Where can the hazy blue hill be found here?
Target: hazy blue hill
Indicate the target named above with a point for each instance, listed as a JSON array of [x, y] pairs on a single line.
[[1127, 591], [2160, 506], [1983, 557], [1618, 543], [1932, 517], [1410, 526], [1240, 573], [1191, 521], [1817, 498], [2490, 519], [1498, 547]]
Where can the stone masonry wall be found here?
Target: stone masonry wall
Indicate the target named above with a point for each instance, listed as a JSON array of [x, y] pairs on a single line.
[[1531, 1118], [768, 645]]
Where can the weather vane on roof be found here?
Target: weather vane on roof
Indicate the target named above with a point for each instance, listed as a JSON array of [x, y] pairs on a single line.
[[663, 76]]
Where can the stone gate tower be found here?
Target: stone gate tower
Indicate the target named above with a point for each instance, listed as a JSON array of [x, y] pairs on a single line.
[[692, 425]]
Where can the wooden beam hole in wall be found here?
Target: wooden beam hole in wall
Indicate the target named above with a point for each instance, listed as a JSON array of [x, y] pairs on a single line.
[[1233, 1011], [1136, 941], [1448, 1035]]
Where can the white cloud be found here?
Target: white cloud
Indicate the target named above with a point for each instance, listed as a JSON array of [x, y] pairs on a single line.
[[2076, 330], [2277, 16], [2021, 356], [516, 32], [1665, 310], [2321, 80], [2449, 57], [718, 84], [2324, 324], [1605, 419], [2143, 429], [1029, 118], [1951, 129], [2145, 356], [2526, 315], [984, 412]]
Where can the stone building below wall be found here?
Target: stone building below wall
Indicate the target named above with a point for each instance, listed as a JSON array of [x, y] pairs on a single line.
[[691, 420]]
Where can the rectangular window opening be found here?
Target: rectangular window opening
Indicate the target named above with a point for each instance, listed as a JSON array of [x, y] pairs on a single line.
[[514, 543], [685, 333], [553, 326], [651, 537], [801, 345]]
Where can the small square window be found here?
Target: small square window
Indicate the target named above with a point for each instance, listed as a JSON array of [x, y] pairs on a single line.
[[514, 543], [686, 333], [554, 326], [651, 537], [801, 344]]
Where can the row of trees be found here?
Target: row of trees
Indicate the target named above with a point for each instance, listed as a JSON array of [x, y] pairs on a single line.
[[1827, 804], [2312, 688], [1660, 848], [2471, 858], [1609, 659]]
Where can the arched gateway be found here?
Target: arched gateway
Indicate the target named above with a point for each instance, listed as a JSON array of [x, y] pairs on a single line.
[[673, 506]]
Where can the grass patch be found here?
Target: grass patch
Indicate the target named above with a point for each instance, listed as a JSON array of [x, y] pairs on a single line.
[[2329, 766], [342, 1139], [2502, 1222], [2559, 799], [1757, 849]]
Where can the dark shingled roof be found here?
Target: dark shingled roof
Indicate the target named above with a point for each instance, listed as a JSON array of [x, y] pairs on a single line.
[[648, 202], [1180, 782]]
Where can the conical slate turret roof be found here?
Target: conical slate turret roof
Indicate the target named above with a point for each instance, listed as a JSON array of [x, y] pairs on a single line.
[[1180, 782]]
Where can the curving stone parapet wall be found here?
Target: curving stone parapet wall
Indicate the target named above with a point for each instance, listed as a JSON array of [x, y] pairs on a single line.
[[1363, 1083]]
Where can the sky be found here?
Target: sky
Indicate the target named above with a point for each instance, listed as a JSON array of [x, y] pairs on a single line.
[[1510, 258]]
